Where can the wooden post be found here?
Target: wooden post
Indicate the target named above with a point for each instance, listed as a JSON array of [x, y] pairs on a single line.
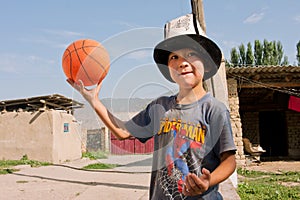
[[217, 85], [197, 9]]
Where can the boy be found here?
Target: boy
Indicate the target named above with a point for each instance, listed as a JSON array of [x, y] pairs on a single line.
[[193, 149]]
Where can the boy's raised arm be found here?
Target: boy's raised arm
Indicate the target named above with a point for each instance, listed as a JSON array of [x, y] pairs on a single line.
[[91, 95]]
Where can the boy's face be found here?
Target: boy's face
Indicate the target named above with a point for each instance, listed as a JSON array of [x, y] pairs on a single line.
[[186, 67]]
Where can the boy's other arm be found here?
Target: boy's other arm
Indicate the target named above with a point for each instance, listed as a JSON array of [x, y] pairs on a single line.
[[197, 185], [225, 169]]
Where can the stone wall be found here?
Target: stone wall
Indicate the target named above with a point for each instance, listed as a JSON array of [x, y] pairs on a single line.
[[293, 126], [247, 125], [250, 121], [236, 124]]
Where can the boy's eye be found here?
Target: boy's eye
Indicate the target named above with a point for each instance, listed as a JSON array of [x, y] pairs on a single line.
[[191, 54], [173, 57]]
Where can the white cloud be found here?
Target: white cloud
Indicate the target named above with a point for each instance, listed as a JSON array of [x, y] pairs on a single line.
[[128, 24], [254, 18], [63, 33], [139, 54], [24, 64], [297, 18]]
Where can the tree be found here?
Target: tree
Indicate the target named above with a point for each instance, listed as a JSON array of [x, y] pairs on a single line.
[[249, 55], [258, 52], [279, 53], [274, 53], [298, 53], [267, 51], [285, 61], [242, 54], [234, 57]]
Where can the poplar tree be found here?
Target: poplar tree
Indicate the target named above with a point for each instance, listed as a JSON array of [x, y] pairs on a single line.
[[242, 54], [249, 55], [258, 52], [279, 53], [298, 53], [234, 57]]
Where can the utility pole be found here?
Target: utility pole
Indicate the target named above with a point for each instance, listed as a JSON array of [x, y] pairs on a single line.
[[217, 85], [198, 10]]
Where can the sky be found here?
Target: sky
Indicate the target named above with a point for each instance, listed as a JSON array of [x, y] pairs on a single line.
[[34, 35]]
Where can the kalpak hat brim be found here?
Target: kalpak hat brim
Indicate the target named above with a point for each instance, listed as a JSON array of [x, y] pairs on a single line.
[[208, 50]]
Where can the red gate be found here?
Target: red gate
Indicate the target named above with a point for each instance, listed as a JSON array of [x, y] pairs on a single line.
[[130, 146]]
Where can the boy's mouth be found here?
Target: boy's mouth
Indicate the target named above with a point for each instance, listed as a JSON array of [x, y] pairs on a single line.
[[185, 73]]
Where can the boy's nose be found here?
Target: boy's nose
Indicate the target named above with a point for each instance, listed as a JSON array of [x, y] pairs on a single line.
[[183, 63]]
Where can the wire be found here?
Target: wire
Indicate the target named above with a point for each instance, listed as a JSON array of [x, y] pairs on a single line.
[[290, 91]]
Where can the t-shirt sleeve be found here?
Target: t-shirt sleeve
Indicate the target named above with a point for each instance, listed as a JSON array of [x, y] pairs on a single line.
[[145, 124], [138, 126], [220, 138], [226, 137]]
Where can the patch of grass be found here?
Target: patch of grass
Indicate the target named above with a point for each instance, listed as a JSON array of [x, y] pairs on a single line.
[[100, 166], [6, 166], [251, 174], [94, 155], [22, 181], [261, 185], [7, 170]]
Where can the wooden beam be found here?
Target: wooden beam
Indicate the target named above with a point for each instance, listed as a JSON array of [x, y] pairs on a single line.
[[269, 85], [53, 104]]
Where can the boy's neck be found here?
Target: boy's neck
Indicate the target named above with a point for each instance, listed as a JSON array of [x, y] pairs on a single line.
[[190, 96]]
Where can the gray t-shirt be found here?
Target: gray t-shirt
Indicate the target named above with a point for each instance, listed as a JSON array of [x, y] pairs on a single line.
[[187, 138]]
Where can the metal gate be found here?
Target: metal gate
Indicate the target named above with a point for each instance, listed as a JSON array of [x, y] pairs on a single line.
[[130, 146]]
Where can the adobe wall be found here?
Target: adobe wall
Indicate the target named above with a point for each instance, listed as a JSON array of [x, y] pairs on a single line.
[[67, 137], [39, 135]]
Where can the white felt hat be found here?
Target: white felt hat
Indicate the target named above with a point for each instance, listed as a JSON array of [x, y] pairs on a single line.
[[186, 32]]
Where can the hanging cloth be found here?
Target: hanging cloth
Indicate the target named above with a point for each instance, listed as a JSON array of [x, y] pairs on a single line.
[[294, 103]]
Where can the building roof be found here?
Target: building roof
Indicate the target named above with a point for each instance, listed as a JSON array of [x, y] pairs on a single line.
[[265, 72], [284, 79], [54, 101]]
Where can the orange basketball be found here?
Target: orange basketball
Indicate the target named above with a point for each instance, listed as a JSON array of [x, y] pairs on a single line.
[[86, 60]]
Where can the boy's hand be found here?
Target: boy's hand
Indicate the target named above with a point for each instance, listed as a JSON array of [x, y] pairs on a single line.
[[195, 185], [89, 94]]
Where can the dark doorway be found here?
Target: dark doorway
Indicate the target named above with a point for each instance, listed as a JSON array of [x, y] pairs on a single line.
[[273, 133]]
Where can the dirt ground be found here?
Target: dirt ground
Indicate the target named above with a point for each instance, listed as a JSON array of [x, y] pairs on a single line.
[[275, 166]]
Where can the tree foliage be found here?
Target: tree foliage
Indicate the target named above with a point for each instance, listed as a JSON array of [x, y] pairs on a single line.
[[258, 52], [249, 55], [298, 53], [242, 54], [234, 56], [262, 53]]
